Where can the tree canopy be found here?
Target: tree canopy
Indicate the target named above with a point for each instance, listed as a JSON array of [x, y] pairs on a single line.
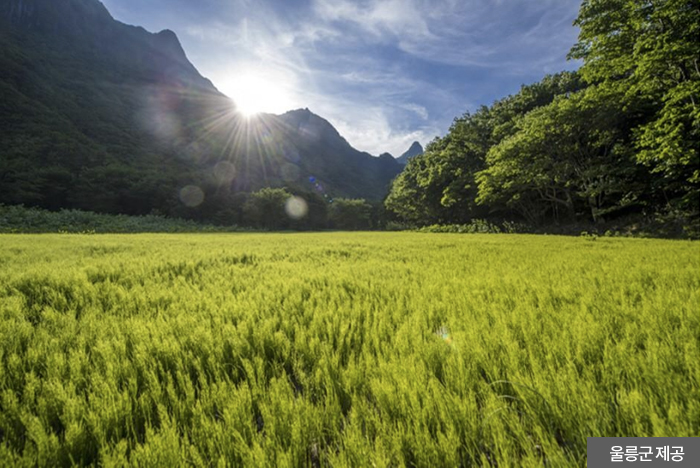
[[616, 141]]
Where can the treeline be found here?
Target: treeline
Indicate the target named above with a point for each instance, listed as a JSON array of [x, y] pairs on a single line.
[[269, 209], [283, 209], [101, 120], [21, 219], [615, 143]]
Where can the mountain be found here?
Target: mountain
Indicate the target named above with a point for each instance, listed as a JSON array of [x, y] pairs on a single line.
[[325, 150], [103, 116], [415, 150]]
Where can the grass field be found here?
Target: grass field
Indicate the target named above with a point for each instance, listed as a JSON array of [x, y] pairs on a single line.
[[369, 349]]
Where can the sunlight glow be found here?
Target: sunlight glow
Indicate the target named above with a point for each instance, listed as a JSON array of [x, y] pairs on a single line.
[[255, 92], [248, 139]]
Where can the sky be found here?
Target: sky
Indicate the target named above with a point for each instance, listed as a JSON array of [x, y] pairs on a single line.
[[385, 73]]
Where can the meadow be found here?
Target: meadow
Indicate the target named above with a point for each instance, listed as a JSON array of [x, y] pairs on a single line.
[[342, 349]]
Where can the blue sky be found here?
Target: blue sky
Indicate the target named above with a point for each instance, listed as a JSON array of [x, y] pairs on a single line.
[[383, 72]]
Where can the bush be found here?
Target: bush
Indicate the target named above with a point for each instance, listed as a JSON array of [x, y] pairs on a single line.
[[397, 226], [350, 214], [476, 226], [19, 219]]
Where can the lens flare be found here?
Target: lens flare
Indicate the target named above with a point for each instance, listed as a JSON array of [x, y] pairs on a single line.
[[444, 334], [296, 208], [290, 172], [191, 196], [224, 172]]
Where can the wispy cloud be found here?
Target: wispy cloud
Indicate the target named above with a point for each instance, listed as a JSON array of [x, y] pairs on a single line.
[[384, 72], [511, 34], [394, 17], [373, 130], [421, 111]]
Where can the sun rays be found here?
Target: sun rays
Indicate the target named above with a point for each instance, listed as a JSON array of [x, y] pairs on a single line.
[[241, 148], [235, 143], [256, 91]]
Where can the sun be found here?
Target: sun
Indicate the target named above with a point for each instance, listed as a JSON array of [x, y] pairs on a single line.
[[255, 92]]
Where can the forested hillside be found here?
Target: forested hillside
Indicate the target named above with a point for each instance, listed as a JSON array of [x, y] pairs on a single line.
[[615, 143], [98, 115], [101, 116]]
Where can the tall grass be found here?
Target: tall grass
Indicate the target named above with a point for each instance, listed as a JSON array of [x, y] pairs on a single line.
[[385, 349]]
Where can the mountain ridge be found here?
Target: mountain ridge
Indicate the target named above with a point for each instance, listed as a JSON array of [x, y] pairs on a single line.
[[415, 150], [109, 117]]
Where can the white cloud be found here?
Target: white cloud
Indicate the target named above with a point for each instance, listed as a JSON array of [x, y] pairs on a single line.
[[371, 129], [378, 17], [483, 33], [420, 110], [348, 59], [376, 135]]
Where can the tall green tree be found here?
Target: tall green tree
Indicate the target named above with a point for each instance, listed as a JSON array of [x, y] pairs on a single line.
[[416, 193], [440, 186], [350, 214], [565, 161], [648, 51], [265, 209]]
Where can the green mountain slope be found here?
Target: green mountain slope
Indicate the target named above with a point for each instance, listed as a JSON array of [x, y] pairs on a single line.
[[103, 116], [415, 150]]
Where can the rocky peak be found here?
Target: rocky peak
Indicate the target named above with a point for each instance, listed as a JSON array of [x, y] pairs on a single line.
[[167, 42], [415, 150], [313, 126], [64, 16]]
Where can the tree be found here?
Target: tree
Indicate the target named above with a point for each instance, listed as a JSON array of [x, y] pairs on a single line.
[[647, 50], [265, 209], [316, 212], [350, 214], [564, 158], [440, 186], [415, 196]]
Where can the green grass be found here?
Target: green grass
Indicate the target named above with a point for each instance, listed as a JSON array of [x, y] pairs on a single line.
[[369, 349]]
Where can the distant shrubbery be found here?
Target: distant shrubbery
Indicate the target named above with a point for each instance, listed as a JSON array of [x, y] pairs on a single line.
[[478, 226], [265, 210], [397, 226], [474, 227], [350, 214], [345, 215], [18, 219]]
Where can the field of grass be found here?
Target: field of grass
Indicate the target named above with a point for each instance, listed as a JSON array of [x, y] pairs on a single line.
[[365, 349]]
